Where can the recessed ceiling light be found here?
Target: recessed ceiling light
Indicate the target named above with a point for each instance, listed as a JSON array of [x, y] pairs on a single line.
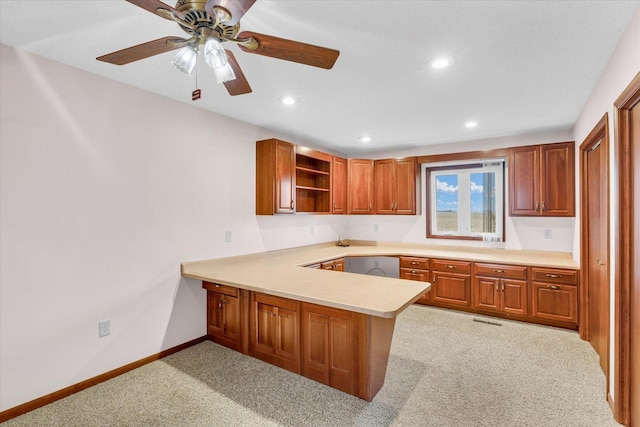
[[441, 62], [288, 100], [471, 124], [365, 138]]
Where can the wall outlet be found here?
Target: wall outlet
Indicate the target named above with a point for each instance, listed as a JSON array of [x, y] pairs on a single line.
[[104, 328], [547, 233], [227, 236], [311, 229], [375, 227]]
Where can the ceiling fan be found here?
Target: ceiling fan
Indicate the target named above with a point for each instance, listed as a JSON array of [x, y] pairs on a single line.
[[209, 23]]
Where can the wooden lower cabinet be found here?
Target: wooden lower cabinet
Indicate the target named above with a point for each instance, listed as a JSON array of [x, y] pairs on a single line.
[[274, 334], [330, 347], [335, 265], [450, 283], [507, 296], [225, 314], [555, 297], [416, 268]]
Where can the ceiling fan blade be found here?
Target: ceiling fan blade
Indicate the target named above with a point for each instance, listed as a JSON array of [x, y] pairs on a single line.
[[239, 85], [290, 51], [237, 8], [142, 51], [153, 6]]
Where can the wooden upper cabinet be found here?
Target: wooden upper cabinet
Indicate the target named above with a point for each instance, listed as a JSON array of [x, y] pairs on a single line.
[[542, 180], [275, 177], [396, 185], [360, 178], [339, 186], [313, 181]]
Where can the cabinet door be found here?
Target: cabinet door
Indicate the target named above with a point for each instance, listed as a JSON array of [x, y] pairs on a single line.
[[557, 180], [386, 186], [214, 313], [555, 302], [224, 319], [274, 331], [524, 181], [514, 296], [360, 188], [285, 177], [451, 289], [329, 353], [339, 186], [406, 185], [486, 293]]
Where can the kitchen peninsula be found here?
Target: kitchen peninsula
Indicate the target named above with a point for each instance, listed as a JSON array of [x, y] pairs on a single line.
[[335, 328]]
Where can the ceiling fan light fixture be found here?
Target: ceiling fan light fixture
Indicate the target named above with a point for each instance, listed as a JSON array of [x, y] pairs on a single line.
[[224, 73], [214, 54], [185, 59]]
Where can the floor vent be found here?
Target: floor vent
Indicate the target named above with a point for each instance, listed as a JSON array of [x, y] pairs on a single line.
[[487, 322]]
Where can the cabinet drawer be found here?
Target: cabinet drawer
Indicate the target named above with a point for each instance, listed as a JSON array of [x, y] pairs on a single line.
[[451, 266], [499, 270], [555, 276], [414, 262], [414, 274], [223, 289]]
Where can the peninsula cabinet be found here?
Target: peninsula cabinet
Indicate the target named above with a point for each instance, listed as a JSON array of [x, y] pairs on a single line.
[[275, 177], [416, 268], [542, 180], [500, 289], [329, 347], [450, 283], [360, 186], [225, 315], [274, 334], [396, 184], [555, 297], [339, 185]]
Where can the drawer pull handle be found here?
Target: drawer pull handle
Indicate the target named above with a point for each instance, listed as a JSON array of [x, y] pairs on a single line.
[[451, 267], [497, 270], [414, 272], [413, 262], [218, 286], [554, 276], [554, 287]]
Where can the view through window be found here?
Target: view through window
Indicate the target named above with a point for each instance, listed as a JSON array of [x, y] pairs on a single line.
[[466, 201]]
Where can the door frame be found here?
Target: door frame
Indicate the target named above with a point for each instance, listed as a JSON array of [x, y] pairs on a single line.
[[599, 134], [624, 277]]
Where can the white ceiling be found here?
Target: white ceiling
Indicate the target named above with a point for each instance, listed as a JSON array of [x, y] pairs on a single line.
[[520, 66]]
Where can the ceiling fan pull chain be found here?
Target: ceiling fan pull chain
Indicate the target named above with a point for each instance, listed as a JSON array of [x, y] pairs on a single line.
[[196, 94]]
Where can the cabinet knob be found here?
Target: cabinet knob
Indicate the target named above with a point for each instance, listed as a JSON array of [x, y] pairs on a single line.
[[600, 263], [543, 206], [537, 207]]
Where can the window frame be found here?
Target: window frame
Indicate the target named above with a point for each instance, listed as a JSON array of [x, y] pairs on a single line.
[[464, 163]]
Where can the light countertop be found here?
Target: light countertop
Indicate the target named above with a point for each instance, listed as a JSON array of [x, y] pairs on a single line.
[[282, 273]]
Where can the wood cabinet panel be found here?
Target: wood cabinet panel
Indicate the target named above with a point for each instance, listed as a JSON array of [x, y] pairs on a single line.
[[555, 302], [500, 270], [224, 317], [339, 185], [395, 186], [275, 177], [554, 275], [542, 180], [360, 188], [330, 347], [514, 297], [274, 331], [335, 264], [451, 288], [446, 265]]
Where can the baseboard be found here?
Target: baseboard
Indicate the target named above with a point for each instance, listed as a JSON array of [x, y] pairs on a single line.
[[68, 391]]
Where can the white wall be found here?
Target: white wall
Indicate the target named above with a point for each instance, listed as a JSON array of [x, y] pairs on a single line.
[[524, 233], [622, 67], [105, 189]]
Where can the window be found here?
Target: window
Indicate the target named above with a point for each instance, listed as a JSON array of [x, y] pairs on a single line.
[[466, 201]]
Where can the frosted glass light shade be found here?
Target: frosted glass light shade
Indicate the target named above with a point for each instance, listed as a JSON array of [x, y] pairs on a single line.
[[185, 60], [214, 54], [224, 74]]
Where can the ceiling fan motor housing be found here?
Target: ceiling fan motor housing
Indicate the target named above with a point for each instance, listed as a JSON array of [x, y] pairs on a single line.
[[204, 23]]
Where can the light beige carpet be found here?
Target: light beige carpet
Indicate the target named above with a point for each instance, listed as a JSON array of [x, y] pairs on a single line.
[[444, 370]]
